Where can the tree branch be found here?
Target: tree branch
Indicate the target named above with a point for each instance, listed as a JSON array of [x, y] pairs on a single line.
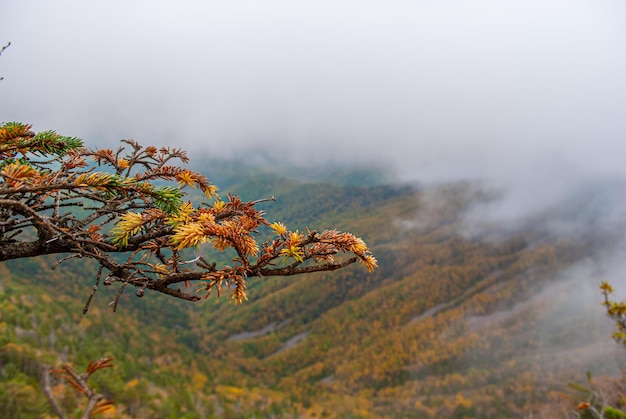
[[44, 229], [48, 392], [141, 218], [307, 269]]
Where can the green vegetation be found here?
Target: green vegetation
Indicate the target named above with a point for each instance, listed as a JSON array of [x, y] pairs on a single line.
[[448, 326]]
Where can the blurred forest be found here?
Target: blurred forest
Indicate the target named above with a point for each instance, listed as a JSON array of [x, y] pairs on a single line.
[[452, 324]]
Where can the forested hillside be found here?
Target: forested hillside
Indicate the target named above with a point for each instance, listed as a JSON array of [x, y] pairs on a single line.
[[456, 322]]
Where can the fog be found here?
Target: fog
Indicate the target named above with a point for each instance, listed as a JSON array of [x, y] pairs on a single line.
[[527, 96]]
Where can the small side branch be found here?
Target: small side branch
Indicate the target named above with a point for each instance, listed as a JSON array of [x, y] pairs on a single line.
[[66, 258], [2, 50], [118, 296], [258, 201], [93, 291], [48, 392], [288, 271], [43, 228], [5, 47], [178, 294]]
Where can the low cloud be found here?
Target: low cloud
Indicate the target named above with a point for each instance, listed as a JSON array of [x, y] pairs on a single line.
[[526, 97]]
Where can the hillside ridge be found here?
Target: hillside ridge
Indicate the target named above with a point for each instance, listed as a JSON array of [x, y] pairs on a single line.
[[424, 335]]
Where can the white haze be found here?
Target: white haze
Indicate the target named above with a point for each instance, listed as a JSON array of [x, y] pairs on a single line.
[[526, 96]]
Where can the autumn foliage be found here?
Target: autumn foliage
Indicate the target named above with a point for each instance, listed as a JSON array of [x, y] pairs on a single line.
[[96, 402], [616, 311], [127, 210]]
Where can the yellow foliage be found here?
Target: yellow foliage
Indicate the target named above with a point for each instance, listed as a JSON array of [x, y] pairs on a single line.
[[14, 131], [279, 228], [182, 216], [110, 412], [188, 235], [295, 236], [97, 179], [13, 347], [294, 252], [220, 243], [17, 175], [198, 380], [229, 392], [129, 225], [358, 246], [370, 262], [219, 205], [84, 323], [209, 190], [250, 245], [207, 218], [186, 178], [132, 383]]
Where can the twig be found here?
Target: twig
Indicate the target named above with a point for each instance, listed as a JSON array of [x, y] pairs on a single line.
[[118, 296], [289, 271], [90, 406], [258, 201], [2, 50], [57, 203], [5, 47], [48, 392], [93, 396], [184, 262], [66, 258], [93, 291]]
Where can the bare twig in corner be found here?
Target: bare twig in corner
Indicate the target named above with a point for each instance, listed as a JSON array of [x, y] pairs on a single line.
[[2, 50], [5, 47]]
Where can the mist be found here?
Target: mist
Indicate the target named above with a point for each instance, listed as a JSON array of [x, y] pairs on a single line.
[[526, 97]]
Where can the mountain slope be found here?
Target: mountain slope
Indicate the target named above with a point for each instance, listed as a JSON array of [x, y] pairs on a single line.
[[450, 325]]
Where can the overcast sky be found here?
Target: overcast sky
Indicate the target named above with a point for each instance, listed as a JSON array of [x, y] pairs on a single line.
[[526, 91]]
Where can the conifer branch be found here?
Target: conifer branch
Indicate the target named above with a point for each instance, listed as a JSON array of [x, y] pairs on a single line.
[[144, 220]]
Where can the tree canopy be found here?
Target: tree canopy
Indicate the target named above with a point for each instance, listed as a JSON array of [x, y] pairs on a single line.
[[128, 210]]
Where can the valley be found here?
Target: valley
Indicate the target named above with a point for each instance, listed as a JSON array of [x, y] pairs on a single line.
[[451, 324]]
